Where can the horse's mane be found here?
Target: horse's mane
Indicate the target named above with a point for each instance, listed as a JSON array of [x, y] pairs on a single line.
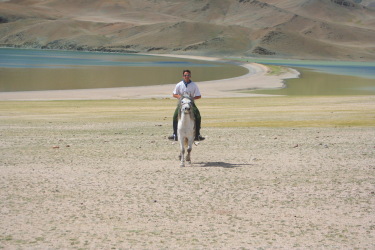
[[182, 97], [179, 105]]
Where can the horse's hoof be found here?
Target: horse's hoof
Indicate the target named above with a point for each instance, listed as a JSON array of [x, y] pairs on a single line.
[[182, 166]]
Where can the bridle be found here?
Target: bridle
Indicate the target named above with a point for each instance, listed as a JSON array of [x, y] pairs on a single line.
[[186, 106]]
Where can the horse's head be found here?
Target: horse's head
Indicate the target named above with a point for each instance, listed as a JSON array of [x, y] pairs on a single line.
[[186, 104]]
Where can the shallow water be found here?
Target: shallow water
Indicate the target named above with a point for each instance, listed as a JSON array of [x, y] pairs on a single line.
[[28, 70], [360, 69], [324, 78], [311, 83]]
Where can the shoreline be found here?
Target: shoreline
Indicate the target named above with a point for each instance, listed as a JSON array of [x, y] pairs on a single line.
[[256, 78]]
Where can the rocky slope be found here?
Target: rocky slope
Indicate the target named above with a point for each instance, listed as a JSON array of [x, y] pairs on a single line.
[[310, 29]]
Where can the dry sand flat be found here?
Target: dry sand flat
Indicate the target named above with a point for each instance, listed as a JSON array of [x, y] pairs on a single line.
[[274, 172]]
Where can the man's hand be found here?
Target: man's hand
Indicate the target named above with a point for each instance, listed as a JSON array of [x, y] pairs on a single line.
[[195, 97]]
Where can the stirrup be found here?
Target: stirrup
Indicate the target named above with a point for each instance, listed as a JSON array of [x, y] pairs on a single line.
[[199, 138], [173, 137]]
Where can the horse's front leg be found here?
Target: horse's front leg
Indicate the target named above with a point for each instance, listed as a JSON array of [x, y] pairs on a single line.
[[189, 149], [182, 154]]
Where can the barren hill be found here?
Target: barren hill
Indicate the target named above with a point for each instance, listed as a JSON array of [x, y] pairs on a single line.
[[311, 29]]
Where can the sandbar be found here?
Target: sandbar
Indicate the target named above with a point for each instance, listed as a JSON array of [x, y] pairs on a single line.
[[257, 78]]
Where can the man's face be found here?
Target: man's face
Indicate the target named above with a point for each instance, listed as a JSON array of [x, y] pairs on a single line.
[[186, 76]]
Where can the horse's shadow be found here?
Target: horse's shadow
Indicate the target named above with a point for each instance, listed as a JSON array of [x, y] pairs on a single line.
[[218, 164]]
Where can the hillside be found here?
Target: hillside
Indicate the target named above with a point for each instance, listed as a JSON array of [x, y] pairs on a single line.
[[310, 29]]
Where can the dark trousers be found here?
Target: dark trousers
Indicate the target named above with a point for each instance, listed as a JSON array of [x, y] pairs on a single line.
[[197, 116]]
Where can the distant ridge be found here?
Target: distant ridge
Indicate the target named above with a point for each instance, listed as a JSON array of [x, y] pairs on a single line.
[[306, 29]]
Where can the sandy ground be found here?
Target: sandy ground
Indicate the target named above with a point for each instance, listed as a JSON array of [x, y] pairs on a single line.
[[101, 174]]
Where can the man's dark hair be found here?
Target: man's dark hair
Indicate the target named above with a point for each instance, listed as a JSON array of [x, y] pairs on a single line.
[[186, 70]]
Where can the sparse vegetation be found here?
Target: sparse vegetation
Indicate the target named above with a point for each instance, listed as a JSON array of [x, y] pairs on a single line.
[[276, 70], [275, 171]]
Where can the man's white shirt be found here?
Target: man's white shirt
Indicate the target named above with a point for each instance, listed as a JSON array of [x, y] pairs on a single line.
[[191, 89]]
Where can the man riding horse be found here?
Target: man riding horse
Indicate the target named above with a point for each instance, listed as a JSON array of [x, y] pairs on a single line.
[[186, 86]]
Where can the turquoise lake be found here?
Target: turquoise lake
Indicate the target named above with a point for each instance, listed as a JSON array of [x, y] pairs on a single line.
[[29, 70]]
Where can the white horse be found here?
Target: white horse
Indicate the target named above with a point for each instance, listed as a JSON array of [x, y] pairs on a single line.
[[185, 127]]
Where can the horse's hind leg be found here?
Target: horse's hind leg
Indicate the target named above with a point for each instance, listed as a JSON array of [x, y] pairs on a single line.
[[182, 161], [188, 155]]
